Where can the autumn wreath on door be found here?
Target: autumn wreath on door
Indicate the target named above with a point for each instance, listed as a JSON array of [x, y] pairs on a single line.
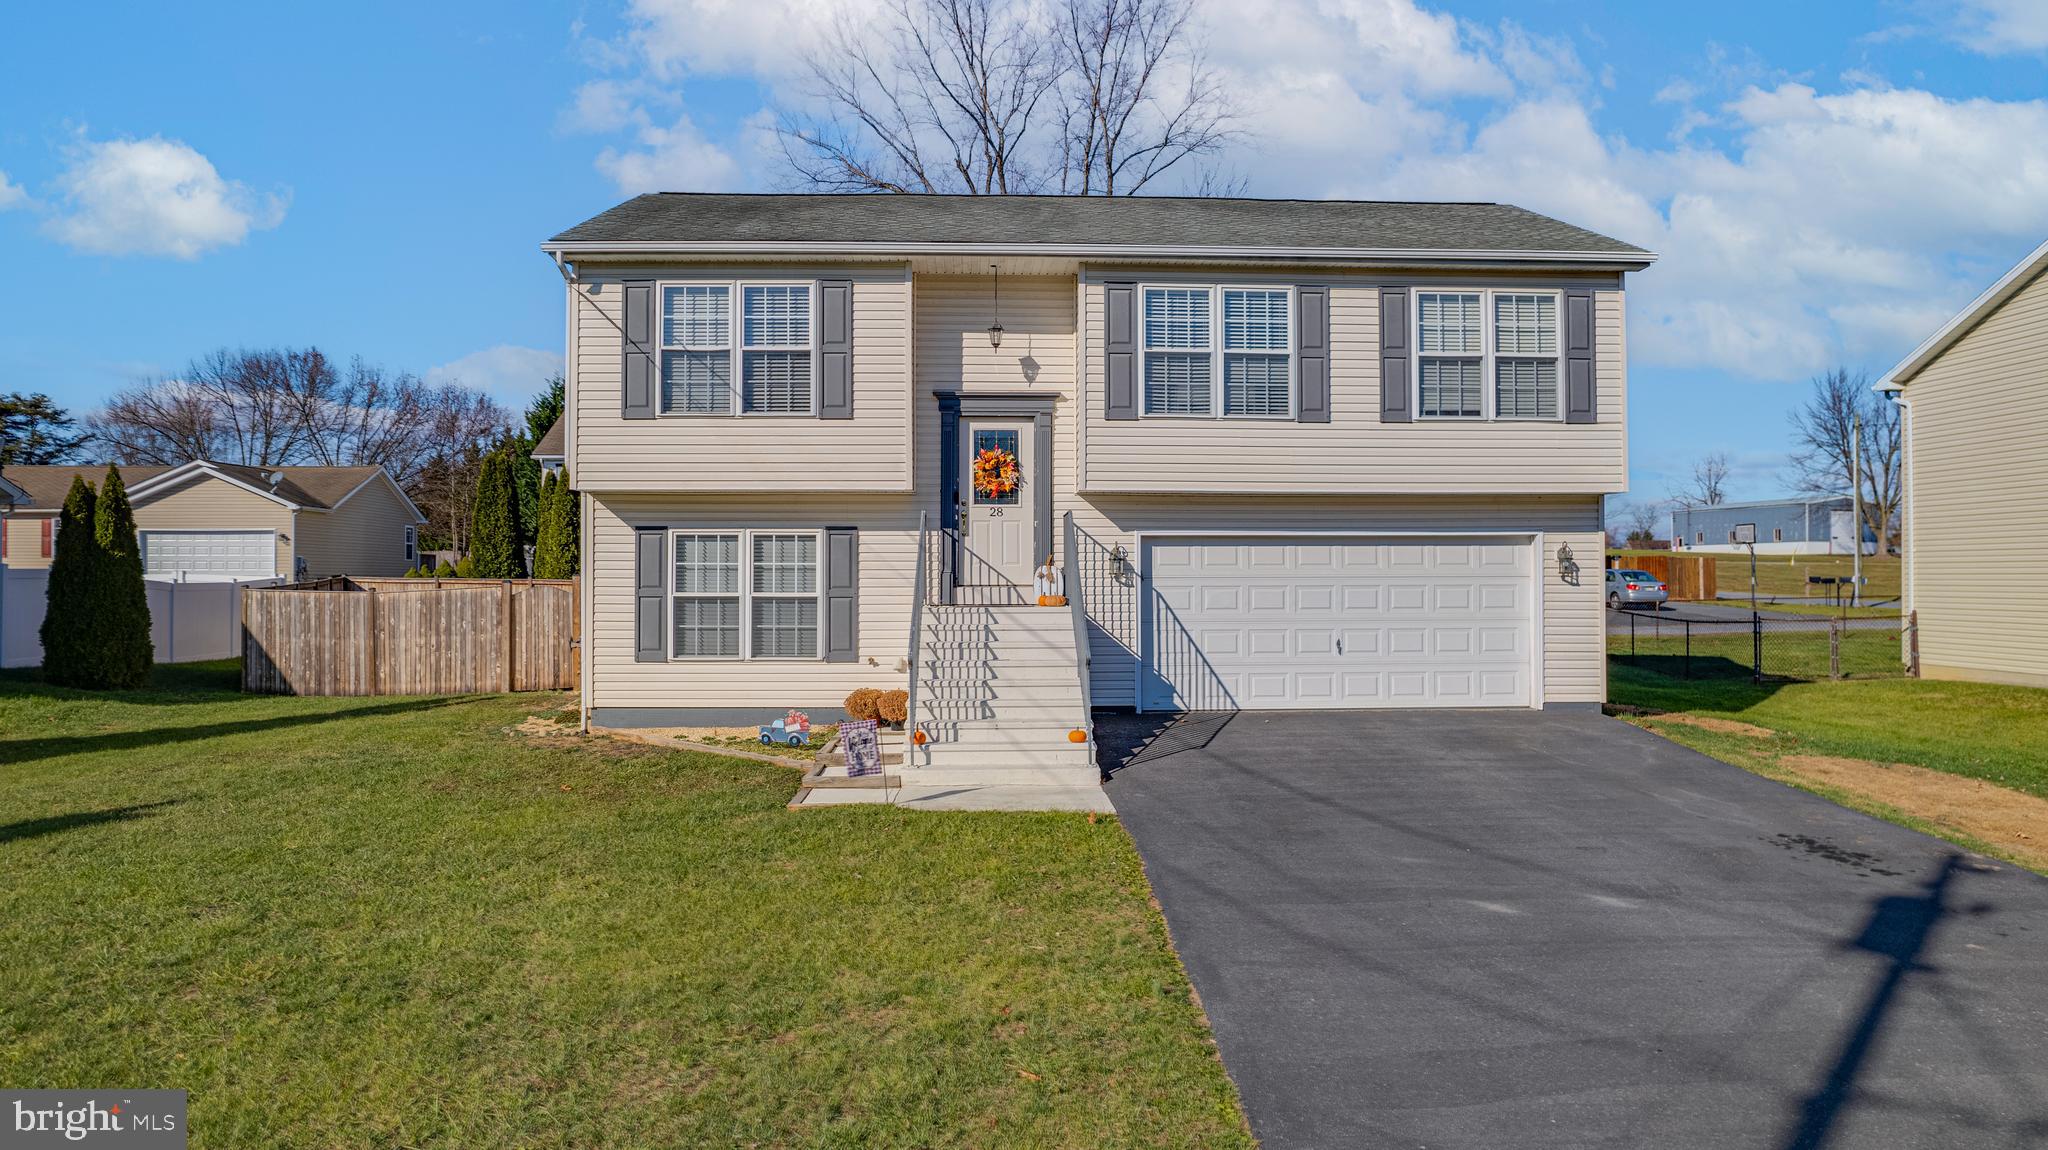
[[995, 472]]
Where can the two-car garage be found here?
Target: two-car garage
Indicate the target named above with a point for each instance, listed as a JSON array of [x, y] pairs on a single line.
[[1310, 621]]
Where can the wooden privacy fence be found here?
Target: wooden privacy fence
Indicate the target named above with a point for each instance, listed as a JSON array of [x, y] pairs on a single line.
[[409, 637], [1684, 576]]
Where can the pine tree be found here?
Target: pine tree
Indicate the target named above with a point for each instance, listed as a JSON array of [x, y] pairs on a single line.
[[554, 555], [71, 622], [442, 570], [495, 548], [123, 599], [465, 568]]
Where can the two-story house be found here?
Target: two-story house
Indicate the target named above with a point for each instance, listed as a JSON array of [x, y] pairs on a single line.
[[1284, 454]]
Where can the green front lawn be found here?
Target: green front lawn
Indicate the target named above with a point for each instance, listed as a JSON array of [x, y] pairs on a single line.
[[402, 922], [1979, 730]]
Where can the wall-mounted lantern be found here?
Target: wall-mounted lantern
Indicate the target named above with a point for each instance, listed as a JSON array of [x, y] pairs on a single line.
[[1119, 564], [995, 330], [1567, 564]]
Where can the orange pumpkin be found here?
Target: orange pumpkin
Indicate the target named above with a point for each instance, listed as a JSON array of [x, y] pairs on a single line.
[[1077, 735]]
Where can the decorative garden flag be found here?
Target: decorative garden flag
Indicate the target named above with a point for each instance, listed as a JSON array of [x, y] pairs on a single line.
[[861, 739]]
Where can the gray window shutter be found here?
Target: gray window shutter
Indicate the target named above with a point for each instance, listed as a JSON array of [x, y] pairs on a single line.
[[835, 349], [650, 594], [842, 595], [637, 396], [1394, 355], [1120, 351], [1581, 399], [1312, 355]]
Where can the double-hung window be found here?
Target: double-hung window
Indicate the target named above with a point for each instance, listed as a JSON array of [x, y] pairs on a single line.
[[759, 334], [775, 355], [1187, 352], [1487, 354], [746, 595], [412, 544], [696, 349]]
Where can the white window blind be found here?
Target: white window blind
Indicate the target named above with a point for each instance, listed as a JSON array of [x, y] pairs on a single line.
[[1525, 340], [696, 358], [775, 360], [707, 597], [1184, 343], [1487, 354]]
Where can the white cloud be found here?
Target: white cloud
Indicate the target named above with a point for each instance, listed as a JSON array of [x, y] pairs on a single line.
[[512, 375], [677, 158], [11, 195], [2001, 27], [154, 197]]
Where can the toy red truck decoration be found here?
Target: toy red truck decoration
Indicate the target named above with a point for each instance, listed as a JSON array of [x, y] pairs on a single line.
[[792, 730]]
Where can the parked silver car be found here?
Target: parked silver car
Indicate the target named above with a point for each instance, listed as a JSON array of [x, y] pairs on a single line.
[[1627, 589]]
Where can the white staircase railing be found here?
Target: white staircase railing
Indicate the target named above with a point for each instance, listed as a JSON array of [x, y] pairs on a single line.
[[1072, 551], [911, 747]]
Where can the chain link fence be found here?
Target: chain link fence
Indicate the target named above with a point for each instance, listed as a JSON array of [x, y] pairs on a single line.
[[1760, 647]]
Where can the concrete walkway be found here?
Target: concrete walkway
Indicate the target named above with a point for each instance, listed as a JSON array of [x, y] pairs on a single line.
[[962, 798], [1523, 929]]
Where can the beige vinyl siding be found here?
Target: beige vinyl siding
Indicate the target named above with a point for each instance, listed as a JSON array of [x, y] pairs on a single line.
[[1355, 452], [888, 542], [365, 535], [1574, 640], [209, 504], [1978, 529], [610, 453], [25, 541]]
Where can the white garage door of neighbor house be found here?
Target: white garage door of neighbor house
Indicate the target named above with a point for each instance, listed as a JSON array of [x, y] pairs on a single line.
[[1298, 622], [209, 554]]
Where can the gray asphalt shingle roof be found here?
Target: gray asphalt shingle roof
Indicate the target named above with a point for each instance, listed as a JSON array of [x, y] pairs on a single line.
[[1057, 221]]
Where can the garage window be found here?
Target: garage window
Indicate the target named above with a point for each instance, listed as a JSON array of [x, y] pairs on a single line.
[[1487, 355], [1187, 352], [746, 595]]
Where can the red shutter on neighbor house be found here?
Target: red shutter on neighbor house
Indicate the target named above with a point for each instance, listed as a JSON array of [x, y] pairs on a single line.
[[49, 530]]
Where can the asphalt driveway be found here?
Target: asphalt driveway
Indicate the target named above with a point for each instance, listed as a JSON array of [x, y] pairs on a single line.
[[1522, 929]]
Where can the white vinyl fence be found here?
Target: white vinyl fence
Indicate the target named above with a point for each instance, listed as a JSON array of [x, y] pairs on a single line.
[[187, 621]]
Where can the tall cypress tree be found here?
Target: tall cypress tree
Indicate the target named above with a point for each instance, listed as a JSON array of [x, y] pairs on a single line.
[[71, 620], [495, 547], [554, 556], [123, 600]]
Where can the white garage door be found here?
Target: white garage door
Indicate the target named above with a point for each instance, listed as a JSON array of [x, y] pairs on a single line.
[[209, 554], [1319, 622]]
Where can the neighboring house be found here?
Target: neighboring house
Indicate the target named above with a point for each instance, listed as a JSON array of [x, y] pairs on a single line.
[[1975, 525], [1314, 454], [1824, 526], [549, 450], [208, 520]]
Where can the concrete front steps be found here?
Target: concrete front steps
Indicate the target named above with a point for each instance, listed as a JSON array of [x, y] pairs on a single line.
[[998, 695]]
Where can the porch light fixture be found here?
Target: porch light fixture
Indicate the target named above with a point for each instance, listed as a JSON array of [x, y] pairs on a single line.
[[995, 330], [1119, 564], [1567, 565]]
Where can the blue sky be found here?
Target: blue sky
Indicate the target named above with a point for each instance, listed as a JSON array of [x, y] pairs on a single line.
[[1826, 182]]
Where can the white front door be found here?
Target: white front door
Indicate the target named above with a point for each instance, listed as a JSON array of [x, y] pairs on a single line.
[[1300, 622], [997, 530]]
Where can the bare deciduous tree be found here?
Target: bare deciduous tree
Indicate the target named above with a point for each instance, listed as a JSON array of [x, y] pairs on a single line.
[[1841, 414], [1136, 97], [1709, 482], [294, 407], [1007, 97]]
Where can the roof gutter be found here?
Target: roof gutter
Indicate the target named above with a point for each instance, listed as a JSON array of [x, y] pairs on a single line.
[[1632, 261]]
